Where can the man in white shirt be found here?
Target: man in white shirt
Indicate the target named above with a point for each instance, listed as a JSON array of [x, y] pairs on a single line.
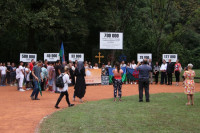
[[133, 65], [123, 64], [96, 66], [3, 74], [163, 70]]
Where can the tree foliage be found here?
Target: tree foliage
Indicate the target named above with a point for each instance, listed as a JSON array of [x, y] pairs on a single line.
[[149, 26]]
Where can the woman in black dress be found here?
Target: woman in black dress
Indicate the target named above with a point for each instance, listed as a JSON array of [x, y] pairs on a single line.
[[80, 85]]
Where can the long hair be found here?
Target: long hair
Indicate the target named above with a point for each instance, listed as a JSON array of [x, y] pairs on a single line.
[[118, 66]]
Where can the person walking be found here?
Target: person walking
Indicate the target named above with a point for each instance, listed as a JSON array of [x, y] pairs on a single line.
[[37, 77], [80, 85], [117, 83], [64, 91], [170, 70], [177, 71], [163, 70], [156, 72], [189, 84], [144, 70]]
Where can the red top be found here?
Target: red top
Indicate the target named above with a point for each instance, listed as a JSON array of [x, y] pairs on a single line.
[[118, 77], [31, 66], [177, 67]]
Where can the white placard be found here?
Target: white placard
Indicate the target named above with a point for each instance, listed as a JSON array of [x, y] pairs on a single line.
[[26, 57], [173, 57], [76, 56], [111, 40], [141, 56], [51, 57]]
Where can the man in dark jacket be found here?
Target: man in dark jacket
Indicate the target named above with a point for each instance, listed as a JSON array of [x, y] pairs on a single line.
[[170, 69]]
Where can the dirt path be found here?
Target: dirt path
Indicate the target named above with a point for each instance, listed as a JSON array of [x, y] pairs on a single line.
[[19, 114]]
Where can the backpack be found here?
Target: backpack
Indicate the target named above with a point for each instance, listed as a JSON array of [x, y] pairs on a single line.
[[59, 81]]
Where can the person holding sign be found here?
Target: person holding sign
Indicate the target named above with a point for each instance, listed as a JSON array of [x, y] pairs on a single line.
[[163, 70], [189, 84], [37, 77], [177, 71], [144, 70], [117, 72]]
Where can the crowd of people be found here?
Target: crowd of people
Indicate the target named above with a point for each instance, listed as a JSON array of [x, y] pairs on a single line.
[[44, 74]]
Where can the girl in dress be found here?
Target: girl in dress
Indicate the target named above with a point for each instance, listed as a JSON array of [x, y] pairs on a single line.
[[189, 84]]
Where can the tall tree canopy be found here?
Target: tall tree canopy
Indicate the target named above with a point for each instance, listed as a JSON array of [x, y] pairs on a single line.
[[149, 26]]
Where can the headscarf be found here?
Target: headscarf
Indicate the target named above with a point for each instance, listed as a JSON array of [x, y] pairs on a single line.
[[80, 66]]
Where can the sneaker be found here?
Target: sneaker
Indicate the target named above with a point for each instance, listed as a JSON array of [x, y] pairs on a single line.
[[135, 83], [11, 85], [21, 90], [57, 107], [131, 82]]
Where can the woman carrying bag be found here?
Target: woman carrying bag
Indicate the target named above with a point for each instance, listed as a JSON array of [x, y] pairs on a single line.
[[64, 91]]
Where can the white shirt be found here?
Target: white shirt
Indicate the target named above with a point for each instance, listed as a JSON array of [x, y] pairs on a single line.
[[95, 67], [27, 74], [107, 66], [133, 66], [21, 75], [163, 67], [3, 70], [17, 73], [123, 65], [66, 82]]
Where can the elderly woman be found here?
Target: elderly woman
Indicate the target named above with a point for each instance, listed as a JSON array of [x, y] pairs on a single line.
[[189, 84]]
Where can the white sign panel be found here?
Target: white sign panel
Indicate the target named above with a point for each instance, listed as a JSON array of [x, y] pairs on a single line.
[[111, 40], [141, 56], [173, 57], [51, 57], [25, 57], [76, 56]]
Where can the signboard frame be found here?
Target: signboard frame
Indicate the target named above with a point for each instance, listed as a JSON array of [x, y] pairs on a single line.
[[172, 60], [27, 59], [138, 59], [51, 59], [112, 47], [73, 60]]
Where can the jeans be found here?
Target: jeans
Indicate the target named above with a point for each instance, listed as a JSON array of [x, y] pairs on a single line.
[[35, 89], [143, 84], [8, 78], [3, 79]]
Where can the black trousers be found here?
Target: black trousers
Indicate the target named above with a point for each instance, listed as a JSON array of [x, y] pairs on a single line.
[[143, 85], [156, 77], [169, 75], [8, 78], [177, 74], [163, 77], [43, 85], [117, 87], [61, 96]]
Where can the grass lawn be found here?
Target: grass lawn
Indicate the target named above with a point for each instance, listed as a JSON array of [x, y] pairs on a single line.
[[166, 113]]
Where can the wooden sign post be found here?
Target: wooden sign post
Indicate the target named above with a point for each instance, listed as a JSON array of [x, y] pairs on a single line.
[[99, 56]]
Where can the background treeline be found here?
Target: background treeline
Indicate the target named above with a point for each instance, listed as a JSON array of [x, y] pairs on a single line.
[[149, 26]]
